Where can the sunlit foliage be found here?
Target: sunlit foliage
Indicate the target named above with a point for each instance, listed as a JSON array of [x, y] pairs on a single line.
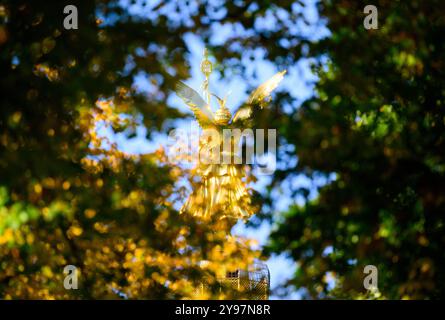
[[68, 195], [374, 127]]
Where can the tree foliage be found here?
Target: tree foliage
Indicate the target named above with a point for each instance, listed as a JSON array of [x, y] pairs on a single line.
[[374, 127], [377, 122], [70, 197]]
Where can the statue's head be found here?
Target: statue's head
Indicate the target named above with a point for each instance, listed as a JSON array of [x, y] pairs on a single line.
[[222, 115]]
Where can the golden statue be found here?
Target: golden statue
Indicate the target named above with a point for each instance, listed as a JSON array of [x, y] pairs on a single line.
[[222, 188]]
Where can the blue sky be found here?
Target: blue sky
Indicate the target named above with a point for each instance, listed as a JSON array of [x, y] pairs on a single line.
[[295, 82]]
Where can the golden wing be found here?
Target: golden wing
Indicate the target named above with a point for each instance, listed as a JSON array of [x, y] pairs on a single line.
[[258, 98], [196, 103]]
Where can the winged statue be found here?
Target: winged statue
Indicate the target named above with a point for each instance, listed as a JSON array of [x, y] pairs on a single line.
[[222, 187]]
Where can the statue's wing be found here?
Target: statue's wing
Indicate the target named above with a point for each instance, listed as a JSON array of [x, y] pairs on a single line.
[[258, 98], [197, 104]]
